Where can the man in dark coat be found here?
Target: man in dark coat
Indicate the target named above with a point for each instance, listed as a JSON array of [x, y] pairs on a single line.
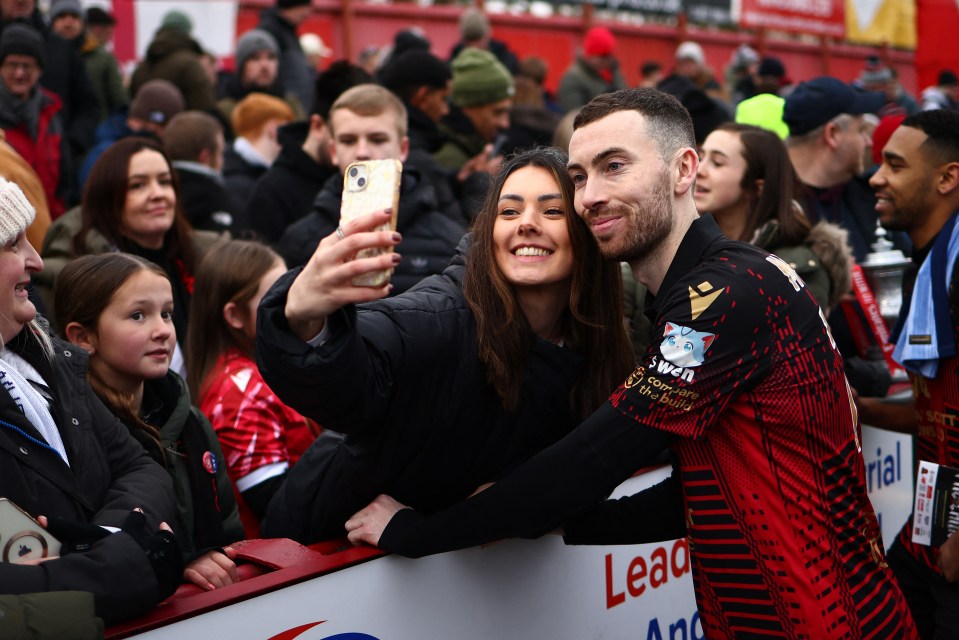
[[194, 141], [428, 217], [281, 22]]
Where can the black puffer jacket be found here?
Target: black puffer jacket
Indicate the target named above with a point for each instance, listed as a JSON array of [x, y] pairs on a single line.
[[285, 193], [402, 378], [108, 475], [429, 219]]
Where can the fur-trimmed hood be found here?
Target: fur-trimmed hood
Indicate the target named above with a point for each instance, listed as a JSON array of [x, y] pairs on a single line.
[[830, 244]]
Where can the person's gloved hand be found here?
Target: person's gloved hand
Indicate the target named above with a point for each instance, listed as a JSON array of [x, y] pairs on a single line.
[[161, 547], [74, 537], [162, 551]]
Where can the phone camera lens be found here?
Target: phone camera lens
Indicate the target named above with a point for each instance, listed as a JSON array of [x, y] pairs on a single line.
[[353, 173], [361, 182]]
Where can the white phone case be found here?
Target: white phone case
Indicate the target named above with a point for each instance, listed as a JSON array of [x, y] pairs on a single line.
[[22, 538], [369, 186]]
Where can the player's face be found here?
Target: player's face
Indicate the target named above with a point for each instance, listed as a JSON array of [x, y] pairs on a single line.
[[904, 182], [623, 189]]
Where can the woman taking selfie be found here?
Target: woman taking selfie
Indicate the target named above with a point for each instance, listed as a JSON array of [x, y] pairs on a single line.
[[442, 389]]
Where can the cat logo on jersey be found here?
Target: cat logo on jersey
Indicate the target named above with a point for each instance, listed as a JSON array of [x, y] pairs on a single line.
[[683, 349], [701, 297]]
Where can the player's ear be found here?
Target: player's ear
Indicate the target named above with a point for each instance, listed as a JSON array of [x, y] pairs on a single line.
[[685, 167]]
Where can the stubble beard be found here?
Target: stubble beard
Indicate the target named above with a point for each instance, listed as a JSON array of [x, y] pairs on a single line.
[[650, 221]]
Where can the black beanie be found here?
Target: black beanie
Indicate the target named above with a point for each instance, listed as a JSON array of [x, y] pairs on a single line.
[[21, 39]]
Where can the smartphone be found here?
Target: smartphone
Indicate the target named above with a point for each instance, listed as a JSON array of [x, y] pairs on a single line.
[[22, 538], [368, 186]]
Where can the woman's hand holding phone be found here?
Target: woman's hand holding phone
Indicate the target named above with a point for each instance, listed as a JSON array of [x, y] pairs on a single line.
[[325, 284]]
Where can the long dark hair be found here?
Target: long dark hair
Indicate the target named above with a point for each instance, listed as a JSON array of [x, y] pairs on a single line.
[[230, 272], [83, 290], [767, 160], [593, 325], [105, 196]]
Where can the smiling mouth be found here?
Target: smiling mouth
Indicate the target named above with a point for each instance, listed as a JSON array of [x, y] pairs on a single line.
[[531, 251]]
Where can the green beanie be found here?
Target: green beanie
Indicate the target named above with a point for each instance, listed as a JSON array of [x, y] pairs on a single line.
[[765, 111], [479, 78], [177, 20]]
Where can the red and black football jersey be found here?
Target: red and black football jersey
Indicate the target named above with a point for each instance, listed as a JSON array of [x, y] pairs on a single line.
[[741, 366]]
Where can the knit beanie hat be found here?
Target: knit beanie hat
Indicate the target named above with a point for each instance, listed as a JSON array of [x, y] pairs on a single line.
[[251, 42], [479, 78], [881, 134], [178, 21], [16, 212], [599, 42], [289, 4], [61, 7], [765, 111], [24, 40], [157, 101]]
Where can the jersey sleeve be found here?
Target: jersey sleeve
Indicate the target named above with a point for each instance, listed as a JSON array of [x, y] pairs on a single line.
[[709, 344]]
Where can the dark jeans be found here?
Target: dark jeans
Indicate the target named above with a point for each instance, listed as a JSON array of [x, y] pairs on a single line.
[[934, 603]]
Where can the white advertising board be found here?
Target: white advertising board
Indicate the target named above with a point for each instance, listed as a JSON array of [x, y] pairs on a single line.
[[517, 588]]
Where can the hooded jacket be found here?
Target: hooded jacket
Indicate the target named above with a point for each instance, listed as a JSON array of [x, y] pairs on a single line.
[[166, 406], [285, 193]]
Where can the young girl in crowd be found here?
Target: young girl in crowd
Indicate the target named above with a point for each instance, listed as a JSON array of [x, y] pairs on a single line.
[[131, 203], [261, 437], [119, 308], [445, 387], [747, 182]]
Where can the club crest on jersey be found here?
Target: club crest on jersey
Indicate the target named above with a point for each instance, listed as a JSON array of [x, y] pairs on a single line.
[[683, 349]]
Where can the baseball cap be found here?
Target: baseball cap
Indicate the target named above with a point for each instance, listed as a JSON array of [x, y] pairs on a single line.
[[817, 101]]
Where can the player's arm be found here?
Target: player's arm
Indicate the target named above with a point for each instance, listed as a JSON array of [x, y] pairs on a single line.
[[538, 496]]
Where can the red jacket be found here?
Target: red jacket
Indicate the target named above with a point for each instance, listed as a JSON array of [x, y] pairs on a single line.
[[45, 152]]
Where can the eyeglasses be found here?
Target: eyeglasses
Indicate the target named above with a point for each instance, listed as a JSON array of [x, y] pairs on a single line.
[[12, 66]]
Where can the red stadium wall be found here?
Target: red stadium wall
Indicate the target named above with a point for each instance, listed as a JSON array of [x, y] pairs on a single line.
[[347, 27]]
